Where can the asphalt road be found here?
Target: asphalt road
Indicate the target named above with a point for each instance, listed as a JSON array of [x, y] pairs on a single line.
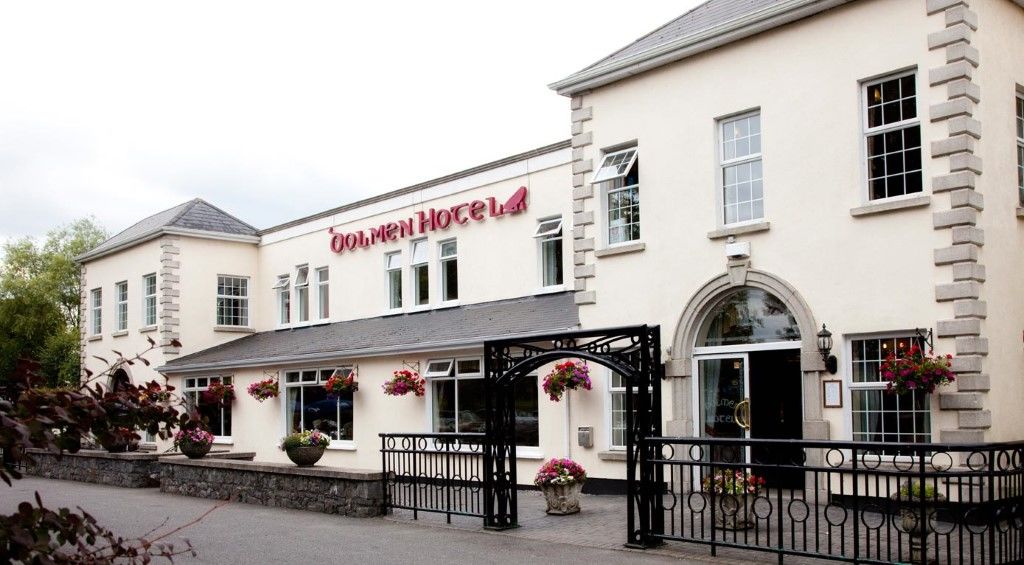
[[242, 533]]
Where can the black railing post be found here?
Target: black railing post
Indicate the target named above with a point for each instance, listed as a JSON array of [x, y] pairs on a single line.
[[856, 506], [990, 513], [415, 478]]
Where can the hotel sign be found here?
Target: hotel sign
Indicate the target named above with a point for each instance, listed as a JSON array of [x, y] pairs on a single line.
[[427, 221]]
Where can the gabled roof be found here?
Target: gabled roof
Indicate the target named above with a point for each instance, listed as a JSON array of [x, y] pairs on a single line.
[[711, 24], [195, 217], [448, 328]]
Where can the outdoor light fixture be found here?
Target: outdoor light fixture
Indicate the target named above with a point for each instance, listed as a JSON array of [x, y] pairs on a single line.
[[825, 347]]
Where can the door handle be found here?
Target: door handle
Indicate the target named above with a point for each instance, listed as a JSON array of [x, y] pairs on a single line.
[[742, 414]]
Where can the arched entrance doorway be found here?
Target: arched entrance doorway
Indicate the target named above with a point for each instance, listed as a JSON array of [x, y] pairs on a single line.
[[748, 382]]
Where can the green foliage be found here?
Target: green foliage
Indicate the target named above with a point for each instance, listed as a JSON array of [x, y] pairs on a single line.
[[39, 300], [913, 490]]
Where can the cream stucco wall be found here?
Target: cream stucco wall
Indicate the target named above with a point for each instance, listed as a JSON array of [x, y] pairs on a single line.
[[1000, 39]]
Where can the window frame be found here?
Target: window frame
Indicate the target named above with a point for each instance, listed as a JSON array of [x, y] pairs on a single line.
[[147, 307], [723, 164], [442, 278], [616, 184], [868, 132], [852, 387], [1019, 127], [419, 301], [282, 300], [323, 293], [555, 233], [121, 306], [96, 311], [244, 300], [611, 392], [388, 282], [301, 300], [197, 389], [319, 381]]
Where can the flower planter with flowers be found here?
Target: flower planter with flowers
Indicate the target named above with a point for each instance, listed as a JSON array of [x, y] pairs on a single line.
[[404, 382], [305, 448], [916, 371], [264, 390], [916, 507], [194, 443], [561, 481], [340, 384], [570, 375], [734, 492], [219, 393]]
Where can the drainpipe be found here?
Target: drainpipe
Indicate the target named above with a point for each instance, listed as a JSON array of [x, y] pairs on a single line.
[[568, 427]]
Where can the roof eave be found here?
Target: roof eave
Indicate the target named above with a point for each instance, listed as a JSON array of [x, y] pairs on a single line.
[[166, 230], [683, 47], [337, 355]]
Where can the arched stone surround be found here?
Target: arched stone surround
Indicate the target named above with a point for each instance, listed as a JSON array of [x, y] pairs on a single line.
[[679, 367]]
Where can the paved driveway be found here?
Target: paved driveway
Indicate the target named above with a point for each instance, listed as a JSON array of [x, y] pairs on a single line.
[[241, 533]]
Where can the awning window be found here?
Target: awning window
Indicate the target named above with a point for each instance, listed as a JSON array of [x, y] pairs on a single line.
[[615, 165], [549, 228]]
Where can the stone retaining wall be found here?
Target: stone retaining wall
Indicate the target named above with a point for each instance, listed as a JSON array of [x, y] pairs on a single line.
[[137, 469], [330, 490]]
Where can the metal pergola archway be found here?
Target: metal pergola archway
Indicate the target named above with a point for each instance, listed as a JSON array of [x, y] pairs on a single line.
[[634, 353]]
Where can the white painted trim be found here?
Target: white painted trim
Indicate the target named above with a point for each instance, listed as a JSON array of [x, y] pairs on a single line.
[[746, 347]]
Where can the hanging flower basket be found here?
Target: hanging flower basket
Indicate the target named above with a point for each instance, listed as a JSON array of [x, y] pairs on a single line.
[[219, 393], [404, 382], [570, 375], [916, 371], [339, 384], [265, 389]]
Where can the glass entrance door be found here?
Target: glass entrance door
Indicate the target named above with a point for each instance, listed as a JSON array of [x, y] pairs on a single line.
[[724, 404]]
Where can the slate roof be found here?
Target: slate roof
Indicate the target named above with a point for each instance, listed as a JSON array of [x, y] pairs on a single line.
[[715, 22], [420, 331], [195, 214]]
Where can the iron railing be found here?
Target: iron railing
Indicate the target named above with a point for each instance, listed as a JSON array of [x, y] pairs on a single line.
[[844, 501], [440, 473]]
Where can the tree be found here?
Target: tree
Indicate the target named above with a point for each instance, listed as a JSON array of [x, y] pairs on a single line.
[[32, 416], [39, 300]]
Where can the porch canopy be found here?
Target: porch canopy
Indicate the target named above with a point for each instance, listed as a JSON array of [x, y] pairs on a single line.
[[447, 328]]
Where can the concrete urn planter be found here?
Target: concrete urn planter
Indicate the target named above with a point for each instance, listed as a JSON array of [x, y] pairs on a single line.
[[194, 450], [734, 512], [912, 521], [562, 499], [305, 456]]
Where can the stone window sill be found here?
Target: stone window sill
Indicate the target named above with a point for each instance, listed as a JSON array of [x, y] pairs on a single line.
[[223, 440], [891, 206], [120, 333], [97, 337], [147, 329], [234, 329], [549, 289], [1020, 212], [612, 455], [342, 445], [739, 230], [621, 249]]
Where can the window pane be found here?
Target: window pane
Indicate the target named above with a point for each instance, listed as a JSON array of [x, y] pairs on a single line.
[[450, 279], [448, 249], [444, 406], [419, 252], [468, 367], [422, 285], [395, 289], [471, 406], [527, 429], [551, 259]]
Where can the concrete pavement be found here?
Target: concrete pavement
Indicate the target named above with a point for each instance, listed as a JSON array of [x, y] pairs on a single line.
[[241, 533]]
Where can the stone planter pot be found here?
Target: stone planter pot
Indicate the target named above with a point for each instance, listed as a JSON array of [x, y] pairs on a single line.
[[305, 456], [733, 512], [194, 450], [912, 521], [562, 499], [115, 445]]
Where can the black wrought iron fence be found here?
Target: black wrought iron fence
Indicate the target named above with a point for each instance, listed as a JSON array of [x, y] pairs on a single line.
[[440, 473], [844, 501]]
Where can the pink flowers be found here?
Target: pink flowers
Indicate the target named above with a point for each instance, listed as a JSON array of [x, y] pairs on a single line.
[[560, 472], [570, 375], [404, 382], [916, 371], [262, 390], [338, 384], [733, 482], [195, 435]]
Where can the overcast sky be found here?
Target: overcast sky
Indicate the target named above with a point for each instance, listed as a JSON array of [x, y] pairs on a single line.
[[277, 110]]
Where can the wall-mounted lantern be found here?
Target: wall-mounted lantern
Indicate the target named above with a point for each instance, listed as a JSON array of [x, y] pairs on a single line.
[[825, 347]]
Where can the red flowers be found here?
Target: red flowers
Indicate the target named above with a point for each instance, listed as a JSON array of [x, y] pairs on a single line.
[[570, 375], [339, 384], [263, 390], [404, 382], [219, 393], [560, 472], [916, 371]]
